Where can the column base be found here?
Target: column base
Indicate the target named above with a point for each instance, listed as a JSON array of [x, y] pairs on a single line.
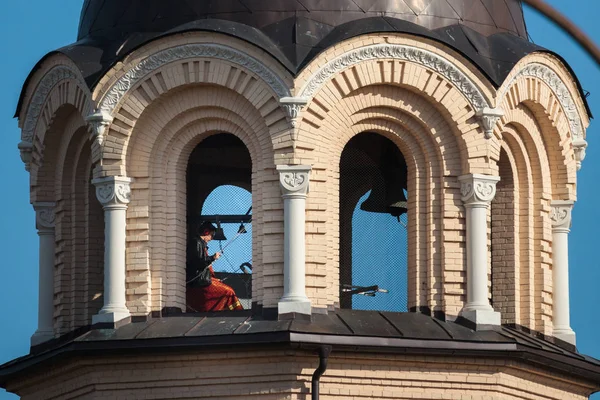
[[483, 317], [294, 306], [566, 335], [41, 336], [110, 317]]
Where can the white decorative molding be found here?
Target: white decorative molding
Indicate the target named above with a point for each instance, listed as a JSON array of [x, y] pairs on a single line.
[[97, 124], [44, 215], [293, 106], [187, 51], [398, 52], [551, 78], [294, 179], [478, 189], [26, 150], [488, 118], [43, 89], [113, 190], [560, 214], [579, 147]]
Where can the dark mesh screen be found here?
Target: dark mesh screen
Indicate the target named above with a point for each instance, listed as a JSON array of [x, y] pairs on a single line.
[[219, 183], [373, 234], [235, 265]]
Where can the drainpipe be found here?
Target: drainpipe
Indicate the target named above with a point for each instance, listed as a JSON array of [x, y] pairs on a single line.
[[324, 352]]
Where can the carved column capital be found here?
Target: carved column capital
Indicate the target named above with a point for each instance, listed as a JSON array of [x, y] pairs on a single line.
[[26, 149], [44, 216], [113, 190], [293, 106], [579, 146], [560, 214], [478, 190], [294, 179], [97, 124], [488, 118]]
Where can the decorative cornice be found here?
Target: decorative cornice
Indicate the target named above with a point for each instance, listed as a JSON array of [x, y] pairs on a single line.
[[26, 149], [113, 190], [294, 179], [560, 214], [43, 89], [488, 118], [476, 189], [579, 147], [44, 216], [398, 52], [293, 106], [97, 124], [208, 50], [554, 82]]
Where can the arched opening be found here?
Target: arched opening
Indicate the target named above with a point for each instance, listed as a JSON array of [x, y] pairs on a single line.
[[504, 236], [373, 225], [219, 198]]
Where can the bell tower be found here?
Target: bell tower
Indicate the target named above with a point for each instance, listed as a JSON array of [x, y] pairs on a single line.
[[264, 201]]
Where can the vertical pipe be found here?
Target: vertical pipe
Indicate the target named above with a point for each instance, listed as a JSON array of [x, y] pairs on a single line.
[[324, 352]]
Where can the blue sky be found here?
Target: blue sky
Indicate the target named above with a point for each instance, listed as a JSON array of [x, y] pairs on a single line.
[[30, 29]]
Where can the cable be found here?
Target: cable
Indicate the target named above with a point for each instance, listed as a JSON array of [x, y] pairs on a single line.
[[567, 26]]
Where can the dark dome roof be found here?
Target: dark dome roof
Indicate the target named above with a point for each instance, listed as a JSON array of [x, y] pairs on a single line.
[[491, 33], [294, 31], [283, 20]]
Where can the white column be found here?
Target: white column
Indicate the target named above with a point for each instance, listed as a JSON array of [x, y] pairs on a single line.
[[114, 193], [44, 220], [561, 224], [294, 182], [477, 192]]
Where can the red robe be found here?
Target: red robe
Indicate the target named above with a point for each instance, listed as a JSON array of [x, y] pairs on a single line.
[[215, 297]]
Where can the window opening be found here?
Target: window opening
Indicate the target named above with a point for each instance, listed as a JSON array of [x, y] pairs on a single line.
[[219, 250], [373, 225]]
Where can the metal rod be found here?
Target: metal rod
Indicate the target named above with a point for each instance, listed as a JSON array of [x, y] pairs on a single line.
[[567, 26], [224, 219]]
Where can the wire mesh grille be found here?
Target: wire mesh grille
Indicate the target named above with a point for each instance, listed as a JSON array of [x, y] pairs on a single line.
[[235, 265], [373, 226]]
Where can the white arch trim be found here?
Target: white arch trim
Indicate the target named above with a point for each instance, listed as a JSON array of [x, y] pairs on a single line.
[[425, 58], [215, 51], [52, 78], [562, 93]]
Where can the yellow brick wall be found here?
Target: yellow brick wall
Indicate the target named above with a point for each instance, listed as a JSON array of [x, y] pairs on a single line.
[[287, 375], [164, 115]]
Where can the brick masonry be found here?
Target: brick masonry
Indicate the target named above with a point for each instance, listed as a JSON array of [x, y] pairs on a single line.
[[165, 114], [287, 375]]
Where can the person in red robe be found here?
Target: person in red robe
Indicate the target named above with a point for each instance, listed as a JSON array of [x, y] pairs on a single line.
[[204, 291]]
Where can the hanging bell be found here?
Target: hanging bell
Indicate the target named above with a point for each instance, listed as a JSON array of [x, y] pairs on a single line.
[[396, 200], [242, 229], [387, 196], [376, 202], [219, 234]]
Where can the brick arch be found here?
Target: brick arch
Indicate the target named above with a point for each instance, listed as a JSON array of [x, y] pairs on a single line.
[[419, 101], [525, 242], [505, 240], [60, 83], [412, 113], [157, 160], [258, 94], [68, 271], [419, 169], [553, 127], [48, 149], [526, 144]]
